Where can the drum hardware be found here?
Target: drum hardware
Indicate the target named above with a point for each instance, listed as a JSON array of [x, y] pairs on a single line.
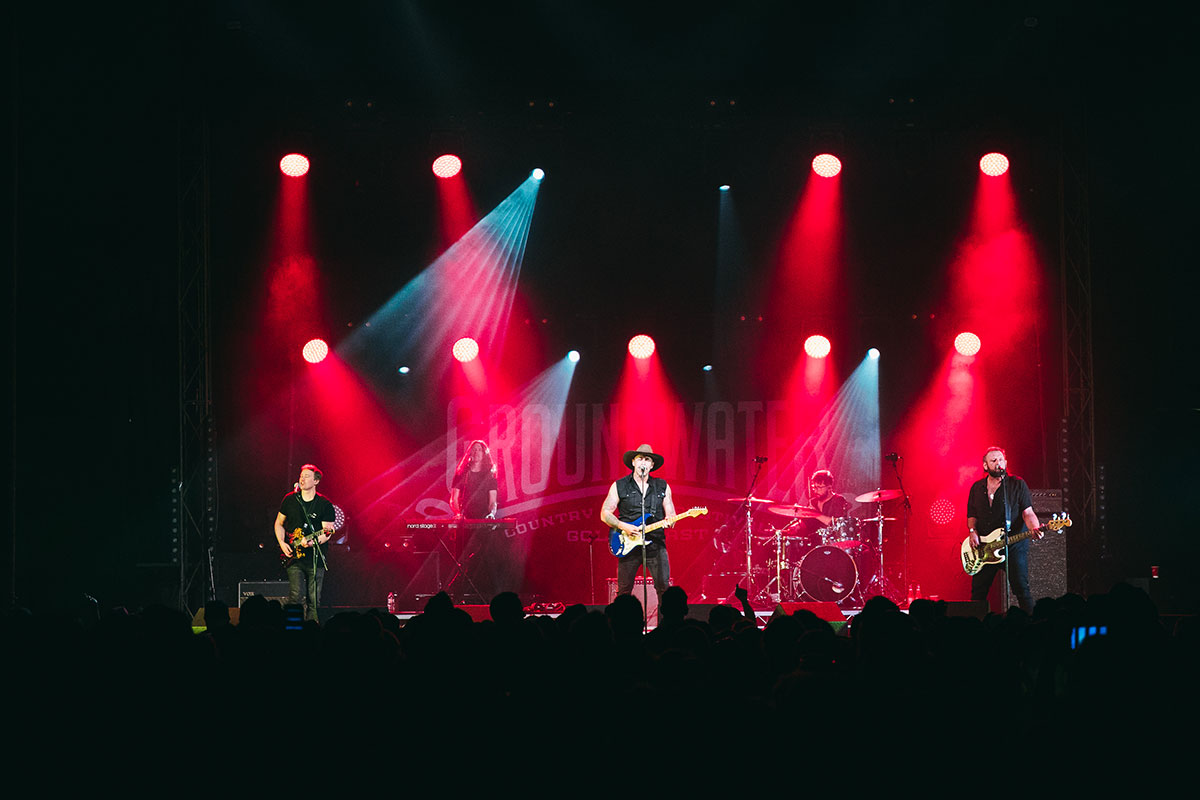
[[841, 532], [799, 512], [749, 502], [879, 583]]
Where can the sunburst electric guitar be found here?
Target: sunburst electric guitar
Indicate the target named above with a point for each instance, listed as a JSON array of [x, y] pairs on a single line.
[[300, 550], [622, 543], [991, 547]]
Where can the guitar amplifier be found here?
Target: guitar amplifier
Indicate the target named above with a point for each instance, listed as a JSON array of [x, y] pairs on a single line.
[[272, 590], [640, 582], [1048, 557]]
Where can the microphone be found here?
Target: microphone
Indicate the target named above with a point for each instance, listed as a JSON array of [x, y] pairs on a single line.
[[892, 457], [760, 459], [295, 487]]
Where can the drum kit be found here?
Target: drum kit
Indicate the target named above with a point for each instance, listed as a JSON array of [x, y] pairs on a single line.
[[841, 562]]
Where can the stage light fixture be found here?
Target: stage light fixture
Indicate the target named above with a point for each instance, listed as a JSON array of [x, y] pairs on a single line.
[[293, 165], [641, 346], [707, 368], [538, 174], [827, 165], [941, 512], [403, 370], [994, 164], [466, 349], [573, 356], [315, 350], [724, 187], [967, 344], [817, 346], [447, 166], [873, 352]]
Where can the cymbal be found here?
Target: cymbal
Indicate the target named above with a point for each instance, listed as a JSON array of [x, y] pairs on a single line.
[[804, 512], [876, 519], [741, 499], [880, 496]]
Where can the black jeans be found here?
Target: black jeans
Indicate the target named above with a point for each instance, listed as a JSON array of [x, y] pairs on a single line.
[[1017, 567], [304, 583], [658, 566]]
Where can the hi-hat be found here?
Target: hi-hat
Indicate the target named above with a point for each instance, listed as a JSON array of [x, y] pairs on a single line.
[[803, 512], [879, 496], [740, 499]]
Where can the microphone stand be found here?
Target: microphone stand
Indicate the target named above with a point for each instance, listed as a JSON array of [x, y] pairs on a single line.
[[645, 566], [316, 547], [750, 531], [1003, 491], [907, 514]]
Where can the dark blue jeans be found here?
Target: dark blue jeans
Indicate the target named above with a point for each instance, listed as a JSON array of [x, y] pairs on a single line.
[[1017, 567], [304, 584]]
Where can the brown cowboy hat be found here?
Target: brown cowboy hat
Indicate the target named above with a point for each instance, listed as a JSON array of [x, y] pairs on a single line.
[[643, 450]]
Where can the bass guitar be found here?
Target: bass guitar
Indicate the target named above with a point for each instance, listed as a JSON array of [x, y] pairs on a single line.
[[622, 543], [991, 547], [301, 544]]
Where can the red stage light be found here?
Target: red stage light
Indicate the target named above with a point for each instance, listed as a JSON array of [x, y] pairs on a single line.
[[641, 346], [447, 166], [994, 164], [466, 349], [967, 344], [293, 165], [941, 512], [826, 165], [315, 350], [817, 346]]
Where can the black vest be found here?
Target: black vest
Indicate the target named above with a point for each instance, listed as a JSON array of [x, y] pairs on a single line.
[[629, 504]]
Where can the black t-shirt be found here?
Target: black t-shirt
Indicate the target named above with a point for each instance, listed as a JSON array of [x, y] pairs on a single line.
[[836, 506], [297, 513], [990, 516], [473, 488]]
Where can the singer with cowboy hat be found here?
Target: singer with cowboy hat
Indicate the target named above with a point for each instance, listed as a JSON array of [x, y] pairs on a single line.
[[630, 498]]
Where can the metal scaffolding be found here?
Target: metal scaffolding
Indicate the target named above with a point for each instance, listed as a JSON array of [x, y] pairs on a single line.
[[194, 504], [1088, 545]]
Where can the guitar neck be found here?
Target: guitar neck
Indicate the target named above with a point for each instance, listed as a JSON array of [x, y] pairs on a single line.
[[1022, 536], [663, 523]]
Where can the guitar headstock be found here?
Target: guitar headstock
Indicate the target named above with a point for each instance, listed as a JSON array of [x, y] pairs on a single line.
[[695, 511], [1058, 522]]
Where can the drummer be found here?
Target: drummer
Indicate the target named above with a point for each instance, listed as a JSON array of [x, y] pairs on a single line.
[[821, 498]]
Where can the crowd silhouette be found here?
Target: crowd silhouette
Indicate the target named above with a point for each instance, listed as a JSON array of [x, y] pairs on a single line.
[[886, 677]]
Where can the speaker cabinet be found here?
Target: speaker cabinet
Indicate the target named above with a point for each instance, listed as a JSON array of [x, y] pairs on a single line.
[[272, 590], [1048, 557]]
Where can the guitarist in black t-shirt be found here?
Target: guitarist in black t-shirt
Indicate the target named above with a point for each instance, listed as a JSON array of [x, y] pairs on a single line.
[[1000, 501], [304, 524]]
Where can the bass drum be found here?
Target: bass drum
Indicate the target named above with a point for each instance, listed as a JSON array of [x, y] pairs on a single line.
[[826, 574]]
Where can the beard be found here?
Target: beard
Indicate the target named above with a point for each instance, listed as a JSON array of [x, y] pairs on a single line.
[[999, 472]]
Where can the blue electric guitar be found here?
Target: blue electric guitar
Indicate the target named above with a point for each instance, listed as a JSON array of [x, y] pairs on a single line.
[[622, 543]]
